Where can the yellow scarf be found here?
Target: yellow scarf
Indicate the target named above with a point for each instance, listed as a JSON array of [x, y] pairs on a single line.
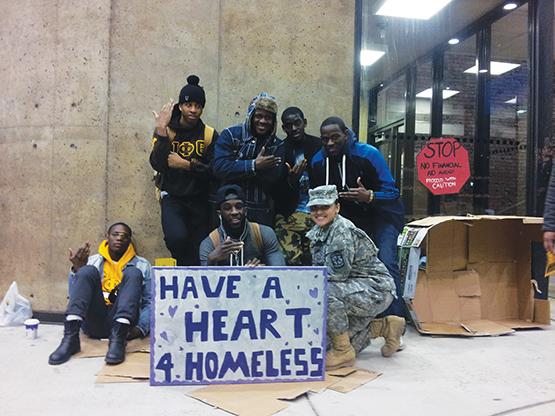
[[113, 270]]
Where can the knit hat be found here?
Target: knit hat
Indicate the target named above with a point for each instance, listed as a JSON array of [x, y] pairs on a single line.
[[322, 195], [192, 92], [227, 192]]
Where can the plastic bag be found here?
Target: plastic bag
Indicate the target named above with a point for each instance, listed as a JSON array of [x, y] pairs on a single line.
[[14, 309]]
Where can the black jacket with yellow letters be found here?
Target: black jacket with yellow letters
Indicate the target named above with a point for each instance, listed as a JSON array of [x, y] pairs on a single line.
[[190, 144]]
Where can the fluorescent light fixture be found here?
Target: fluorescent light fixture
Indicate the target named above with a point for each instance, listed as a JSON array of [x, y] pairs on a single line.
[[428, 93], [511, 101], [412, 9], [369, 57], [453, 41], [510, 6], [519, 112], [497, 68]]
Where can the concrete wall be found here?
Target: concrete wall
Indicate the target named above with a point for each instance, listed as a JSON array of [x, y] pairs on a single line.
[[79, 80]]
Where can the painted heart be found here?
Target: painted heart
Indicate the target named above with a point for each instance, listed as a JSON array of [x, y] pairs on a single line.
[[313, 292], [164, 335], [310, 343], [308, 325], [172, 310], [298, 287], [316, 330], [287, 301], [180, 348]]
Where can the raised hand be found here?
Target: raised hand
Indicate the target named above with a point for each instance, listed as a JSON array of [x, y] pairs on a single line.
[[79, 259], [296, 171], [266, 162], [360, 194], [223, 251], [163, 118]]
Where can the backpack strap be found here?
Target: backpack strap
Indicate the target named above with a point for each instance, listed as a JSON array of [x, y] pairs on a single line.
[[208, 135], [257, 237], [215, 237]]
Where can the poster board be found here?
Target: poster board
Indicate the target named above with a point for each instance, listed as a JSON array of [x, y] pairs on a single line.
[[213, 325]]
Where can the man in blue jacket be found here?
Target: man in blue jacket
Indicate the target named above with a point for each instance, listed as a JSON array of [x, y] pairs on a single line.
[[250, 155], [109, 293], [368, 195]]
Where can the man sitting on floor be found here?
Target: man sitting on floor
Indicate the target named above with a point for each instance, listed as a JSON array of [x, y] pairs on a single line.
[[109, 293], [238, 242]]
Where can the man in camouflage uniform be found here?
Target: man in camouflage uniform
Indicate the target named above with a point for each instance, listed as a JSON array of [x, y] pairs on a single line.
[[359, 285]]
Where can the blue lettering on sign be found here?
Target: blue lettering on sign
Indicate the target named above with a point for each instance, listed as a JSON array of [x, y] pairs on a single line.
[[317, 358], [191, 365], [231, 287], [272, 283], [189, 287], [298, 313], [285, 362], [208, 290], [191, 326], [245, 320], [164, 287], [255, 364], [298, 353], [267, 318], [165, 364], [229, 363], [218, 325], [271, 371], [211, 367]]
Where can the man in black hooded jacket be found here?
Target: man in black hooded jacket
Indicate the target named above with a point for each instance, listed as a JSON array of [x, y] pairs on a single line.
[[182, 154]]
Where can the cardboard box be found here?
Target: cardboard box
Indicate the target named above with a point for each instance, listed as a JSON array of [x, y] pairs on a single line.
[[474, 275]]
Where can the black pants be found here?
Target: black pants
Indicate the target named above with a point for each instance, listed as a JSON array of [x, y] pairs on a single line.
[[185, 225], [87, 301]]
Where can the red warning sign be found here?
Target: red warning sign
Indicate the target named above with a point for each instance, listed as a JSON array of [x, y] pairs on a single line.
[[443, 166]]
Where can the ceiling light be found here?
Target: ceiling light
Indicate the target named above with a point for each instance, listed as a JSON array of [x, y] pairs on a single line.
[[521, 112], [511, 101], [510, 6], [412, 9], [497, 68], [428, 93], [483, 71], [453, 41], [369, 57]]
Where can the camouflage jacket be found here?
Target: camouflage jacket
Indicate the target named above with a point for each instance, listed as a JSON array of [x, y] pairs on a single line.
[[348, 253]]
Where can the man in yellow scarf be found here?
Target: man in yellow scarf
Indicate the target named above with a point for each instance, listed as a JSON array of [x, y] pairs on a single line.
[[109, 293]]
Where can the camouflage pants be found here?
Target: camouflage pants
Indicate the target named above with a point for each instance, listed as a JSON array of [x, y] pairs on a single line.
[[351, 307], [291, 234]]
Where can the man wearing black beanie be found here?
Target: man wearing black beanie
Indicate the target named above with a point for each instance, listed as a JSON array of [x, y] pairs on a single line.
[[182, 153]]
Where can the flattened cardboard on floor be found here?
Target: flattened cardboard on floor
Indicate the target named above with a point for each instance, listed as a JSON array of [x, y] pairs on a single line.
[[91, 347], [268, 398], [477, 277]]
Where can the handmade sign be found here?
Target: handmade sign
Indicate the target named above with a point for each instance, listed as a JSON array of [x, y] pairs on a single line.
[[443, 166], [237, 325]]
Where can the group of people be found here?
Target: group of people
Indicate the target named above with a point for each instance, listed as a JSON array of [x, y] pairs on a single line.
[[246, 198]]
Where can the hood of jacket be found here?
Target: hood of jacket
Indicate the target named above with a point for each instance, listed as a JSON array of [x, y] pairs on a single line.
[[262, 101]]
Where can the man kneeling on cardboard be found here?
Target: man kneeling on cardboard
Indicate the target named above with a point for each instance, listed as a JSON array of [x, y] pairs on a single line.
[[237, 241], [109, 293]]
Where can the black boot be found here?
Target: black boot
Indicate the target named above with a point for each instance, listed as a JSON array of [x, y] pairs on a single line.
[[117, 343], [70, 343]]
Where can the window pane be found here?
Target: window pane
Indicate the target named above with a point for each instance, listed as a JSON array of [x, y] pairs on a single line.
[[509, 104]]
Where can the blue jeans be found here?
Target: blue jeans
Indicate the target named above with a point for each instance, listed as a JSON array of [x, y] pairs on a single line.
[[384, 235], [87, 301]]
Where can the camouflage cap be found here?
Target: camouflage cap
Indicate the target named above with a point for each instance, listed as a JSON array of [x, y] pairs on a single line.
[[322, 195]]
